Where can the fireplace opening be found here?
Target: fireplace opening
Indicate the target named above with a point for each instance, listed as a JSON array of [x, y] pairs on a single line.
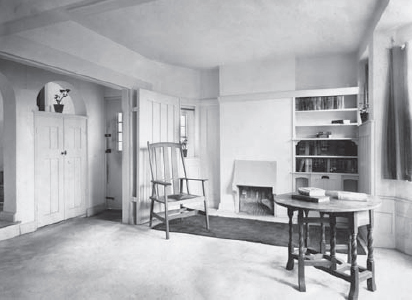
[[257, 201], [253, 186]]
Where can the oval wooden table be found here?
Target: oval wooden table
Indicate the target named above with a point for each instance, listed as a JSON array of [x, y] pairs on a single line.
[[352, 211]]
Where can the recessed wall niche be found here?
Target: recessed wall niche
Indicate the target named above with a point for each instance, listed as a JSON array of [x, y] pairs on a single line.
[[45, 98]]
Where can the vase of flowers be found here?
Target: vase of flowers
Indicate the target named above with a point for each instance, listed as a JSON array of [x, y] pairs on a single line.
[[59, 106], [364, 114], [184, 147]]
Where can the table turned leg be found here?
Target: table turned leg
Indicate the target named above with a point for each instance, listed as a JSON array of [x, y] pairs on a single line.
[[322, 246], [332, 222], [306, 214], [354, 269], [301, 258], [370, 262], [290, 263]]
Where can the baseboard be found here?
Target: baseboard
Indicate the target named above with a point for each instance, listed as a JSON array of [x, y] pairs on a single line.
[[9, 232], [7, 216], [96, 209], [28, 227]]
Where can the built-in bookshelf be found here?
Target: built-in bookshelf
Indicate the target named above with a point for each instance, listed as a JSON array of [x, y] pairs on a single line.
[[325, 135]]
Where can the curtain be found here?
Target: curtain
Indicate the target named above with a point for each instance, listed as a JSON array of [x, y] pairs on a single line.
[[397, 139]]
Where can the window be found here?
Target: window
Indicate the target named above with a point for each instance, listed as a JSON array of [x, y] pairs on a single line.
[[183, 127], [187, 129], [119, 131]]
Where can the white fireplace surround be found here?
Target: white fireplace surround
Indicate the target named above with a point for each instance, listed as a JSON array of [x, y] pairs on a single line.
[[253, 173]]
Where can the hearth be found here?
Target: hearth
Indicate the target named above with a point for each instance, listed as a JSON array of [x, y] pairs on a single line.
[[253, 186]]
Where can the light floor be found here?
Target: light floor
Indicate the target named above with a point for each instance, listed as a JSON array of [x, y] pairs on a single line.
[[90, 258]]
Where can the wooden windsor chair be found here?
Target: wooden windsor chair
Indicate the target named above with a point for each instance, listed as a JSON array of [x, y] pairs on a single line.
[[170, 185]]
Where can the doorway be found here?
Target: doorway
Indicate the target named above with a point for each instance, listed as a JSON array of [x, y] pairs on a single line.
[[114, 154]]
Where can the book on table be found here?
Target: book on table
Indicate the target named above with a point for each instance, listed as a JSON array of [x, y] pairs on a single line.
[[348, 196], [311, 191], [314, 199]]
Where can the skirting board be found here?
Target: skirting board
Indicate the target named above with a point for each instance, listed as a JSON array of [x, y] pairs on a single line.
[[7, 216], [96, 209]]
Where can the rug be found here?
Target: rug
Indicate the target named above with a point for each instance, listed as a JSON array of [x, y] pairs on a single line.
[[270, 233]]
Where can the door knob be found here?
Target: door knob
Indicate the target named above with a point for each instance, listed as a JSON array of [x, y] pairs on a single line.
[[64, 152]]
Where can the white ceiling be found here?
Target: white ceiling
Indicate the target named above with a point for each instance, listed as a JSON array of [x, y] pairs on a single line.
[[204, 33]]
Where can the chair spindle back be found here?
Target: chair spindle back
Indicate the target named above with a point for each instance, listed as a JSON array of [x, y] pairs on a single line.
[[167, 164]]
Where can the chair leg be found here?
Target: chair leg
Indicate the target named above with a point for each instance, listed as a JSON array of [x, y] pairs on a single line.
[[205, 205], [167, 224], [151, 213], [206, 215]]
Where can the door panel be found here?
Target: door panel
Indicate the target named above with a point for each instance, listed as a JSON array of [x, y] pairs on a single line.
[[158, 122], [48, 173], [60, 170], [74, 166]]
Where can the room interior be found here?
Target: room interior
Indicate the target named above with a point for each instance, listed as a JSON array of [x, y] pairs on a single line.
[[233, 69]]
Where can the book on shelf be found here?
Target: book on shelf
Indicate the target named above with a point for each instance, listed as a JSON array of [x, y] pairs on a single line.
[[319, 103], [301, 165], [308, 165], [340, 102], [311, 191], [318, 199], [307, 147], [340, 121]]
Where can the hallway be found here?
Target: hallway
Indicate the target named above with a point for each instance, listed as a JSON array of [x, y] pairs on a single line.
[[100, 258]]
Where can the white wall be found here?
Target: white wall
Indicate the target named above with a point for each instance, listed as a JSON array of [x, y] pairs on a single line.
[[210, 148], [262, 129], [329, 71], [257, 77], [26, 83], [255, 130]]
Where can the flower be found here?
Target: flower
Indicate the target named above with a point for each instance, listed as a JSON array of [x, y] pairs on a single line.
[[63, 93], [184, 143]]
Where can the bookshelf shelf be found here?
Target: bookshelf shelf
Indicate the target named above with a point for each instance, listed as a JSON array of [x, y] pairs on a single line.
[[325, 153], [325, 156], [326, 125], [326, 139], [325, 174], [326, 110]]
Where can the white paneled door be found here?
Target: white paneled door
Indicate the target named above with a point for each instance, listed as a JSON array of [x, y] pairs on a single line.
[[60, 169], [159, 117]]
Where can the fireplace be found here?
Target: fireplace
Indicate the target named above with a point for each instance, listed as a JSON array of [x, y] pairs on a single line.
[[256, 201], [254, 184]]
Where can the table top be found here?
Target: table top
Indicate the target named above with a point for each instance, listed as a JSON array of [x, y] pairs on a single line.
[[333, 206]]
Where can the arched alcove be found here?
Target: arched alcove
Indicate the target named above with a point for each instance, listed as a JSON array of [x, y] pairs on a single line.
[[73, 102]]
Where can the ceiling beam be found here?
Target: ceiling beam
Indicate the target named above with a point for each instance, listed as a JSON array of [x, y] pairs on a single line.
[[368, 33], [65, 13]]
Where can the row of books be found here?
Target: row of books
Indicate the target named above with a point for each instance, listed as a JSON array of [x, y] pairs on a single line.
[[327, 165], [335, 147], [320, 103]]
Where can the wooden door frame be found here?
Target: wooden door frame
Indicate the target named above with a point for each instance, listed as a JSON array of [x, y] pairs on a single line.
[[127, 157]]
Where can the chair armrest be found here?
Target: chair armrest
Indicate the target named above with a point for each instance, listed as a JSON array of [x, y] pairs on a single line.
[[195, 179], [161, 182]]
